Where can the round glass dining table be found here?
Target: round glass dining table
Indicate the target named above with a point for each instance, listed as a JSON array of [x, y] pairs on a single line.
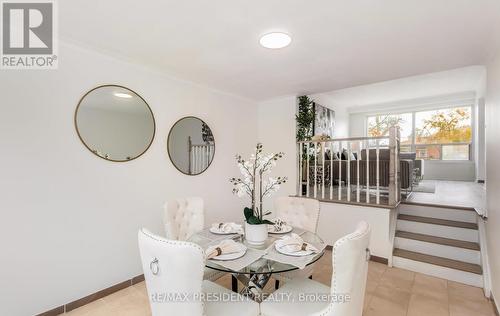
[[256, 275]]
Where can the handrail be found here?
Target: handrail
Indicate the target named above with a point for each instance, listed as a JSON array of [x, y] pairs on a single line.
[[343, 139]]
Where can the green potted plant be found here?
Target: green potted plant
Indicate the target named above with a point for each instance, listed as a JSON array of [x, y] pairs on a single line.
[[255, 185], [305, 122]]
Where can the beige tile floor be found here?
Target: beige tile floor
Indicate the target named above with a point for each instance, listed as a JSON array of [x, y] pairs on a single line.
[[456, 193], [389, 292]]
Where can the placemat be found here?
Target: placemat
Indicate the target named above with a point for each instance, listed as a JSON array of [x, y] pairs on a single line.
[[299, 262], [250, 257]]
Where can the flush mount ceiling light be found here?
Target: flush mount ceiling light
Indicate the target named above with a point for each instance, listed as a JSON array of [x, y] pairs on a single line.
[[122, 95], [275, 40]]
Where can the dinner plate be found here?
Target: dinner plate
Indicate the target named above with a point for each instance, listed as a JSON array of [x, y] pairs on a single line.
[[284, 230], [279, 248], [231, 256], [220, 232]]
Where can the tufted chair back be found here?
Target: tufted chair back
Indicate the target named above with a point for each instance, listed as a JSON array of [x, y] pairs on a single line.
[[171, 267], [350, 256], [298, 212], [183, 217]]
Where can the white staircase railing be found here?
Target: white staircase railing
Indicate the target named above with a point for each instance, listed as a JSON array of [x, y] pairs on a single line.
[[200, 156], [356, 170]]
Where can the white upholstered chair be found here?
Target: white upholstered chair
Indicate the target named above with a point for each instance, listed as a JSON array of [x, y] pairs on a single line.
[[298, 212], [184, 217], [173, 269], [302, 213], [350, 257]]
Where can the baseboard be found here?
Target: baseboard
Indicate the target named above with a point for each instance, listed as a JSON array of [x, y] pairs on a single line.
[[93, 297], [53, 312], [379, 259], [495, 307], [137, 279], [97, 295], [372, 257]]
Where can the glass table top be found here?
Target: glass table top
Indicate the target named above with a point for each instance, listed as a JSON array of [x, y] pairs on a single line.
[[262, 265]]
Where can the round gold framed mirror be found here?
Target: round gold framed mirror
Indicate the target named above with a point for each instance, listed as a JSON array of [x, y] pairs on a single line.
[[191, 145], [115, 123]]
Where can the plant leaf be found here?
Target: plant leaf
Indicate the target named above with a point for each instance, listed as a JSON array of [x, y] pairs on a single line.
[[248, 212], [265, 221], [253, 220]]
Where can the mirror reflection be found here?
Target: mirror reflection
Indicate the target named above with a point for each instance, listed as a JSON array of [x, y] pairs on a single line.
[[191, 145], [115, 123]]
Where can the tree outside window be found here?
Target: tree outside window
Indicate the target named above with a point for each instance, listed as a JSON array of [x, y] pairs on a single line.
[[379, 125], [450, 129], [442, 134]]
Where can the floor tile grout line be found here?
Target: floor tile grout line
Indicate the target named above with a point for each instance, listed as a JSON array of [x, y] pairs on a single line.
[[411, 293], [448, 293], [378, 284]]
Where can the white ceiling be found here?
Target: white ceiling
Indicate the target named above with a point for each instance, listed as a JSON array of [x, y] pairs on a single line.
[[336, 44], [438, 85]]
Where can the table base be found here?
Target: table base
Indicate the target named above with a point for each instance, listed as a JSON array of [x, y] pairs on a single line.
[[253, 284]]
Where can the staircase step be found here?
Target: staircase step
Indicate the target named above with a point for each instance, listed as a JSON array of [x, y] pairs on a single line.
[[437, 221], [438, 212], [452, 207], [439, 240], [439, 272], [439, 261], [450, 232]]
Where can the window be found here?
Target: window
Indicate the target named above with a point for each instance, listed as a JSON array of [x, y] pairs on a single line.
[[449, 129], [379, 125], [441, 134]]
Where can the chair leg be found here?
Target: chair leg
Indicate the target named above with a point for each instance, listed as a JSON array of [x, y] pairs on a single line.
[[234, 283], [276, 284]]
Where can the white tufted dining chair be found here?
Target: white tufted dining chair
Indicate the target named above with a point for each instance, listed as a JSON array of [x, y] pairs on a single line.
[[302, 213], [350, 257], [184, 217], [298, 212], [174, 269]]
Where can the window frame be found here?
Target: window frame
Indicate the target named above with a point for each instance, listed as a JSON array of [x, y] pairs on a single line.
[[413, 146]]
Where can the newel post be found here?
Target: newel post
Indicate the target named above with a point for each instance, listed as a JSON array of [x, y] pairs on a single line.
[[394, 173]]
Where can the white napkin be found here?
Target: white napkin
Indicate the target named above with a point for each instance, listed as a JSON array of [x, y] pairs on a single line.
[[279, 224], [225, 247], [294, 243], [228, 227]]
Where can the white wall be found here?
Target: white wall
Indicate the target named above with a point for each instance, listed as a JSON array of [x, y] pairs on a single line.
[[427, 85], [70, 219], [493, 172], [480, 139], [450, 170], [337, 220], [276, 131]]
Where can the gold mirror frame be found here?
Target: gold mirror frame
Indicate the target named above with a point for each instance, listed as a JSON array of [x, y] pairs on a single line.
[[85, 144], [168, 151]]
